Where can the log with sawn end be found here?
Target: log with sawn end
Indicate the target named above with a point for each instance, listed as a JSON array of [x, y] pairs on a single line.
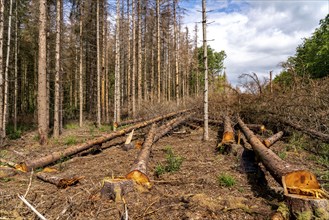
[[302, 191], [268, 142], [228, 145], [28, 165]]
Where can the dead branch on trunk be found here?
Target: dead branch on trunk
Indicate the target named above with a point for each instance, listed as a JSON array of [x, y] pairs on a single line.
[[268, 142], [55, 156], [58, 180], [302, 191]]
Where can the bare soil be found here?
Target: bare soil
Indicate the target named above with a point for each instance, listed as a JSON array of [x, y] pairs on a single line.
[[193, 192]]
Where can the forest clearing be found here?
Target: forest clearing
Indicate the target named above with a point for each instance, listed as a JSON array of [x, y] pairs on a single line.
[[113, 110]]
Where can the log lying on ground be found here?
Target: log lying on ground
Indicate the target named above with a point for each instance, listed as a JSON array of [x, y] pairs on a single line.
[[132, 121], [53, 157], [257, 128], [228, 145], [302, 191], [210, 121], [138, 171], [58, 180], [115, 188], [268, 142]]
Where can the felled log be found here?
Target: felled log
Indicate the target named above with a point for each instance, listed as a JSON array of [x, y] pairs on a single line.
[[132, 121], [228, 145], [210, 121], [303, 192], [53, 157], [257, 128], [10, 164], [57, 180], [274, 138], [138, 171]]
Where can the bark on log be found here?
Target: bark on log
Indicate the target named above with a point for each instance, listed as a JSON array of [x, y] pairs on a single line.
[[257, 128], [210, 121], [228, 144], [138, 171], [59, 181], [115, 189], [268, 142], [53, 157], [299, 185], [132, 121]]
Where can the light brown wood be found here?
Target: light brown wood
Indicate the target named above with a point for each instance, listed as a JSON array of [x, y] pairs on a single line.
[[58, 180], [116, 188], [268, 142]]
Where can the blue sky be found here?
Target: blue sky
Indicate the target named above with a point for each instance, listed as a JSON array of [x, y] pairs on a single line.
[[256, 35]]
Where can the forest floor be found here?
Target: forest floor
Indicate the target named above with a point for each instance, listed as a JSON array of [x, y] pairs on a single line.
[[208, 185]]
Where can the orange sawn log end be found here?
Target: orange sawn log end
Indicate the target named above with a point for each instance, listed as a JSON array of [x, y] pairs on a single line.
[[139, 178], [228, 137]]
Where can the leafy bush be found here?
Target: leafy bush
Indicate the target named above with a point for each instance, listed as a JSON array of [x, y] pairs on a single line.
[[226, 180]]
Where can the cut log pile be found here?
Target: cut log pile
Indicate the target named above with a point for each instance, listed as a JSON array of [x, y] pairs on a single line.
[[28, 165], [302, 191]]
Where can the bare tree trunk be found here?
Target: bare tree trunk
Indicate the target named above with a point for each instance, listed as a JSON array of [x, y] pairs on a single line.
[[139, 51], [58, 42], [81, 68], [158, 49], [176, 54], [16, 68], [205, 60], [117, 94], [196, 60], [271, 85], [6, 81], [133, 81], [42, 73], [129, 60], [1, 68], [103, 60], [98, 67]]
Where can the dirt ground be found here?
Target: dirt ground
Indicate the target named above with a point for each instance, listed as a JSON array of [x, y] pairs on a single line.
[[192, 192]]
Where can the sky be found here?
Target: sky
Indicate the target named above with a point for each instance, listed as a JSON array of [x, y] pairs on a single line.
[[255, 34]]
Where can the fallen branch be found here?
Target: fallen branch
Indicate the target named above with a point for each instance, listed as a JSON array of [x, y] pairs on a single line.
[[257, 128], [268, 142], [55, 156], [32, 208], [303, 192], [60, 182]]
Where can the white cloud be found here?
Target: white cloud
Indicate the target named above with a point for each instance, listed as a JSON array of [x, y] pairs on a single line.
[[257, 35]]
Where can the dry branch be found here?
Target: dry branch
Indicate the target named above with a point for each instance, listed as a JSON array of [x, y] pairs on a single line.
[[256, 128], [57, 180], [302, 191], [268, 142], [53, 157]]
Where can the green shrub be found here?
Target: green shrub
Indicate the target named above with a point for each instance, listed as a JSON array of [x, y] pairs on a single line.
[[282, 154], [71, 126], [70, 140], [173, 163], [226, 180]]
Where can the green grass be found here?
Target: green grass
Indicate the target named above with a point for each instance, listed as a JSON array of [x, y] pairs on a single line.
[[282, 154], [173, 163], [70, 140], [71, 126], [105, 128], [226, 180]]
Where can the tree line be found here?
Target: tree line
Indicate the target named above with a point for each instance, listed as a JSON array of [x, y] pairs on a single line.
[[94, 60]]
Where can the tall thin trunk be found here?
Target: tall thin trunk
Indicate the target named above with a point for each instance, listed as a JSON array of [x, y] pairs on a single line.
[[271, 85], [6, 81], [103, 59], [129, 59], [1, 68], [42, 73], [196, 61], [16, 68], [117, 94], [80, 68], [57, 68], [133, 81], [205, 60], [176, 54], [98, 68], [139, 51], [158, 49]]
